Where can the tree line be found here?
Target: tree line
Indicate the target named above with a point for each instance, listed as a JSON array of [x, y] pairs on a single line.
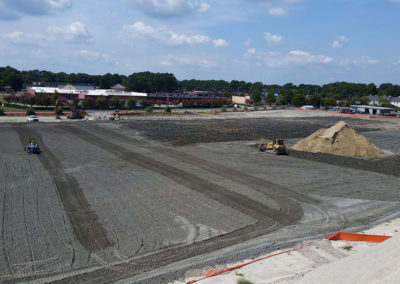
[[167, 82]]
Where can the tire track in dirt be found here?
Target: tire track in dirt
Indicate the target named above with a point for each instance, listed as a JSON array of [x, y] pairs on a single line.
[[288, 200], [7, 255], [168, 256], [84, 221], [219, 193]]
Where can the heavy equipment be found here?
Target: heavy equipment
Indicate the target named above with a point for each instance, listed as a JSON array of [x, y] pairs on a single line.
[[276, 146], [76, 113], [32, 147]]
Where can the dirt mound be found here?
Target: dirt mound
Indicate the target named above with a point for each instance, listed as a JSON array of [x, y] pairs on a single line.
[[341, 140]]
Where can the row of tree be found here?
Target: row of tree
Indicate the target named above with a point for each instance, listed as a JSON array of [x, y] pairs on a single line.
[[167, 82]]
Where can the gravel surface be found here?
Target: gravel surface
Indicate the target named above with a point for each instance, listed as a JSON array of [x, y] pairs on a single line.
[[103, 202]]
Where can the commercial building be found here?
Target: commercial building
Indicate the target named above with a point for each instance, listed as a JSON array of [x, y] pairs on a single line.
[[374, 110]]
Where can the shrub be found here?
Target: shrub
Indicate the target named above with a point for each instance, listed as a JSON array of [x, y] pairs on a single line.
[[30, 111], [244, 281], [283, 107], [167, 109], [234, 109], [148, 109], [131, 103], [59, 111], [2, 111], [255, 108], [264, 107], [223, 109], [245, 108], [274, 108]]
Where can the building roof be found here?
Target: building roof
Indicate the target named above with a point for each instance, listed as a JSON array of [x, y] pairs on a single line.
[[118, 86], [52, 90], [371, 107]]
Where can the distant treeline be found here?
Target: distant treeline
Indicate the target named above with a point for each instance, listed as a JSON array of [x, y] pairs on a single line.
[[167, 82]]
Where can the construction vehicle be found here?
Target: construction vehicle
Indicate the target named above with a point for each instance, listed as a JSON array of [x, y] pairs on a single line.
[[76, 113], [276, 146], [32, 147]]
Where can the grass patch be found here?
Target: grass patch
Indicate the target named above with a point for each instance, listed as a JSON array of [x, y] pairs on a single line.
[[347, 247], [244, 281], [239, 274]]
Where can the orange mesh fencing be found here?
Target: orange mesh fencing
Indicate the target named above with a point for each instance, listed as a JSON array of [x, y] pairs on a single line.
[[357, 237]]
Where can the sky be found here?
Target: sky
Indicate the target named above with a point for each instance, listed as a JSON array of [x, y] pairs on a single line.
[[271, 41]]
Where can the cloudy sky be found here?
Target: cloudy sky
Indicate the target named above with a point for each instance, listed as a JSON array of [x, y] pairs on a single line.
[[272, 41]]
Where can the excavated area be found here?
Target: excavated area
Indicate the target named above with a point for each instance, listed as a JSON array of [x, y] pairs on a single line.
[[142, 201]]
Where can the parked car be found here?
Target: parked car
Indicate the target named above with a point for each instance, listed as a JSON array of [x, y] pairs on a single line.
[[307, 107], [32, 118]]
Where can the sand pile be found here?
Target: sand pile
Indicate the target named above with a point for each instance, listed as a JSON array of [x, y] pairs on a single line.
[[340, 140]]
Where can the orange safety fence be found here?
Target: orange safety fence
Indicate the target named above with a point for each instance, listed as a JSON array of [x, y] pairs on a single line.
[[357, 237], [337, 236]]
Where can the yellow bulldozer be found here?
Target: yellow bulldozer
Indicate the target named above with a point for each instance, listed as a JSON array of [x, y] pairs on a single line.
[[276, 146]]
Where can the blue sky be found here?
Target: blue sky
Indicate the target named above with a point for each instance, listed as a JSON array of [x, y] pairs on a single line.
[[272, 41]]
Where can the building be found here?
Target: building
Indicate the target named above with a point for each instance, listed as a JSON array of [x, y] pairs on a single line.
[[371, 109], [241, 100], [118, 87]]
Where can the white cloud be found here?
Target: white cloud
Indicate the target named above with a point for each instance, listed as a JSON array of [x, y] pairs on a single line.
[[170, 8], [363, 61], [251, 51], [278, 12], [248, 42], [39, 54], [273, 39], [91, 55], [275, 1], [15, 37], [398, 61], [204, 61], [339, 42], [74, 32], [220, 42], [139, 29], [294, 57], [16, 8]]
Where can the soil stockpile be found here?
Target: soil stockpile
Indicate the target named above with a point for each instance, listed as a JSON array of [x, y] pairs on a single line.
[[341, 140]]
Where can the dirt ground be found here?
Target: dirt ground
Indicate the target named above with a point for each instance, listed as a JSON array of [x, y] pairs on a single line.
[[144, 200]]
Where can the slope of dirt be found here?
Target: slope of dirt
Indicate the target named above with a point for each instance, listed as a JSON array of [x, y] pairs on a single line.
[[185, 132], [341, 140]]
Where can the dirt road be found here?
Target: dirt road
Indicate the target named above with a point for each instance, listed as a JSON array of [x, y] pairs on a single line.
[[103, 202]]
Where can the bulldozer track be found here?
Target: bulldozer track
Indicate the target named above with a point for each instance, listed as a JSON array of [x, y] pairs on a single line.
[[288, 200], [158, 259], [84, 221], [219, 193]]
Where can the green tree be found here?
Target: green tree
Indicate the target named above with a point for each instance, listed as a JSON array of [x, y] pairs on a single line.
[[2, 111], [256, 96], [298, 100], [115, 102], [382, 100], [15, 81], [30, 111], [270, 98], [329, 101], [131, 103], [315, 100]]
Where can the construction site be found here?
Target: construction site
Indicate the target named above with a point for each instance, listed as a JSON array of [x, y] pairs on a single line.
[[149, 198]]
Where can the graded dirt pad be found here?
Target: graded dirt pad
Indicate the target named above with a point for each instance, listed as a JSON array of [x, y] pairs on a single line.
[[341, 140], [161, 209], [183, 132]]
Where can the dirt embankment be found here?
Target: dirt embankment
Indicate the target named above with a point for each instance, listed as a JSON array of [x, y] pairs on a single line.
[[184, 132]]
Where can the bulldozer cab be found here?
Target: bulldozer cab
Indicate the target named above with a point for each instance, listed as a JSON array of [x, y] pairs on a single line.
[[279, 142]]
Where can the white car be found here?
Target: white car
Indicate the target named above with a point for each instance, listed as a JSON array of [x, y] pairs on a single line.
[[32, 118]]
